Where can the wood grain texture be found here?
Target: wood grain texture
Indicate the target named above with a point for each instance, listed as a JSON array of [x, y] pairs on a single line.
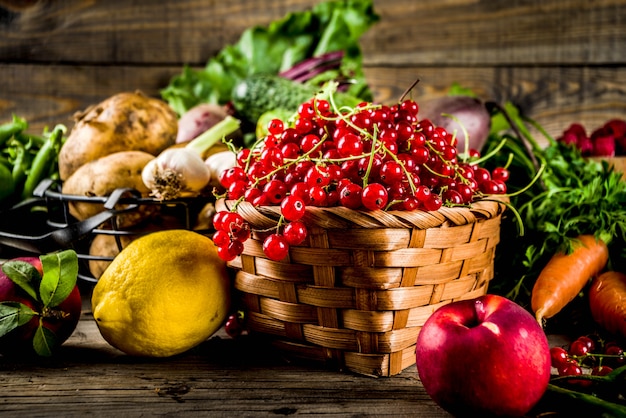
[[560, 60], [221, 377], [429, 32], [554, 96]]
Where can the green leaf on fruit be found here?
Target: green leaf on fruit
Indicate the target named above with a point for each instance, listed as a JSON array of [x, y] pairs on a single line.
[[44, 341], [60, 272], [23, 274], [13, 315]]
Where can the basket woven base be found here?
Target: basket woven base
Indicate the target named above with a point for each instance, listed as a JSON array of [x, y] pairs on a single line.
[[356, 293]]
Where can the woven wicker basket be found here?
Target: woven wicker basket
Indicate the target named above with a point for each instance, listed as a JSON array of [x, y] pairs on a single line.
[[356, 293]]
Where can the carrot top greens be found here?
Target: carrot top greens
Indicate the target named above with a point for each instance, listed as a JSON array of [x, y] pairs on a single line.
[[571, 196]]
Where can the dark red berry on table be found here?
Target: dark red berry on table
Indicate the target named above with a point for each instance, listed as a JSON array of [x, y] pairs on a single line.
[[578, 348], [601, 370], [558, 356], [234, 325]]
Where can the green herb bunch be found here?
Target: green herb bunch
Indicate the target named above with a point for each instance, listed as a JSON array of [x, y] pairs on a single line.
[[558, 194]]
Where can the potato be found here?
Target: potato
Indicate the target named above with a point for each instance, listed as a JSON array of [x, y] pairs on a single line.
[[101, 177], [104, 245], [123, 122]]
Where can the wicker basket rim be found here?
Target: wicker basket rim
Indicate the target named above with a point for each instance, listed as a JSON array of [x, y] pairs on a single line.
[[339, 217]]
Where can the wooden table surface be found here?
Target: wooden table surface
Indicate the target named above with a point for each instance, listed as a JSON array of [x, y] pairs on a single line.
[[221, 377]]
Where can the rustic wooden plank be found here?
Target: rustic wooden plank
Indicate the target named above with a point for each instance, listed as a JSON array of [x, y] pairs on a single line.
[[554, 96], [221, 377], [462, 32], [427, 32], [47, 95]]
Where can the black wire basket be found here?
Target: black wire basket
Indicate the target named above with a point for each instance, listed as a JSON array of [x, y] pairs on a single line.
[[44, 224]]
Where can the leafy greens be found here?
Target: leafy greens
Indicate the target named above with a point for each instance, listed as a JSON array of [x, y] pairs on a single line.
[[327, 27], [572, 196]]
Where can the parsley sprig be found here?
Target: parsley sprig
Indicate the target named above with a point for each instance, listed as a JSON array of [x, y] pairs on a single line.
[[572, 196]]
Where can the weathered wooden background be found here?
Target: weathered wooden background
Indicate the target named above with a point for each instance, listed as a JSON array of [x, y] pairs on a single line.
[[560, 60]]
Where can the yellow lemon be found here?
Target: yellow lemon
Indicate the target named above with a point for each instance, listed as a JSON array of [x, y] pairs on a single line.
[[163, 294]]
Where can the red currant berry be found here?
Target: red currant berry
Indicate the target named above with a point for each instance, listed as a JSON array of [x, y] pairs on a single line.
[[578, 348], [591, 344], [242, 157], [481, 175], [601, 370], [272, 157], [500, 173], [227, 177], [306, 110], [221, 238], [224, 253], [275, 191], [452, 197], [570, 368], [410, 203], [292, 208], [489, 187], [309, 142], [232, 221], [318, 175], [317, 196], [275, 247], [275, 127], [349, 145], [558, 356], [237, 189], [295, 233], [391, 172], [433, 202], [421, 154], [374, 196], [422, 193], [252, 193], [233, 326], [350, 195], [303, 126]]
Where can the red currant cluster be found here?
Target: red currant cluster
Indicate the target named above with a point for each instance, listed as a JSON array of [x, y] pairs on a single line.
[[372, 157], [587, 355]]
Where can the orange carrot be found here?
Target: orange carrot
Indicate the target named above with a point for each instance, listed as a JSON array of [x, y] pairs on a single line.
[[607, 301], [566, 275]]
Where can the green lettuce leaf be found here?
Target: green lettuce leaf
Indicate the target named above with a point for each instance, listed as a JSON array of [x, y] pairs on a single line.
[[327, 27]]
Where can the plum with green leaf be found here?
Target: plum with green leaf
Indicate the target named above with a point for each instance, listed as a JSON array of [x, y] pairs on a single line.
[[40, 303]]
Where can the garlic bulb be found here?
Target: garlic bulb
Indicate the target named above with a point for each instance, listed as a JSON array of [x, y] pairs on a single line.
[[219, 162], [174, 173], [181, 172]]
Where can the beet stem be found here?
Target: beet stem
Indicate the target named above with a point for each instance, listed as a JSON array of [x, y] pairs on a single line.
[[303, 68]]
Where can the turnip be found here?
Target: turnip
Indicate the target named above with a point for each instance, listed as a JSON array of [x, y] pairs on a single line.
[[199, 119], [459, 114]]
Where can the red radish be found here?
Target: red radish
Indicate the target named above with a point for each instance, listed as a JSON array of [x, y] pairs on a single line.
[[603, 143], [585, 145]]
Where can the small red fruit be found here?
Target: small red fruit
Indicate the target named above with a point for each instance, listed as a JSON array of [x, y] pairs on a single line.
[[275, 247]]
